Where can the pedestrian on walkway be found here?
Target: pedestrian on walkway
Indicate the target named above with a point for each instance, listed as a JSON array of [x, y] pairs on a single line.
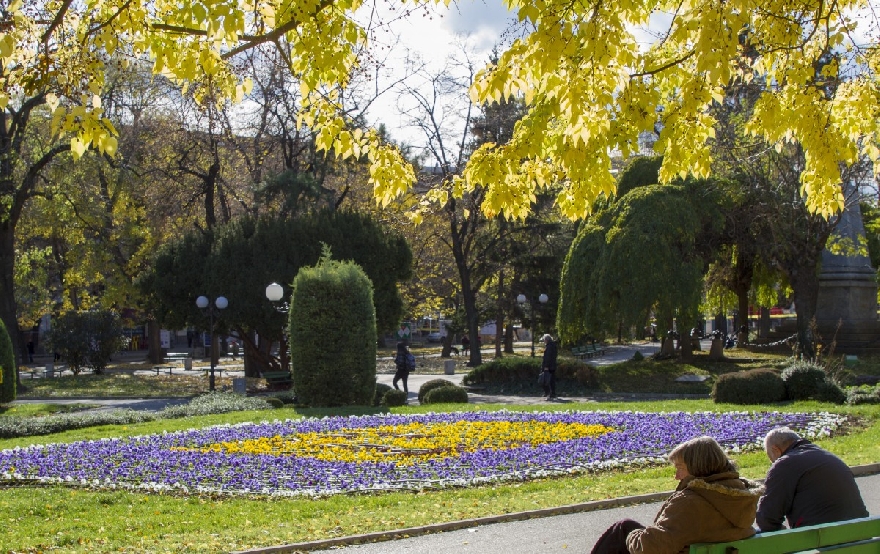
[[710, 504], [805, 485], [404, 362], [548, 366]]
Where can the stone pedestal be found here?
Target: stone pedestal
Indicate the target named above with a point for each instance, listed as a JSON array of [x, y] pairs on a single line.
[[716, 351], [846, 306]]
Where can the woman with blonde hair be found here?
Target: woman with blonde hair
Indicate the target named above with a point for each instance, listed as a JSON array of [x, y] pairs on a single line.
[[710, 504]]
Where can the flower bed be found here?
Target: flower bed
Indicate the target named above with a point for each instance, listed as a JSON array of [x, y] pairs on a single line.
[[390, 452]]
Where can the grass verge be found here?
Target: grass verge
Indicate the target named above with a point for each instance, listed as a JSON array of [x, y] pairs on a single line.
[[77, 520]]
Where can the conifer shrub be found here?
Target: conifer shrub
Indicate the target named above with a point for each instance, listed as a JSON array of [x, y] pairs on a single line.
[[428, 386], [803, 380], [446, 395], [394, 397], [755, 386], [7, 367], [333, 335]]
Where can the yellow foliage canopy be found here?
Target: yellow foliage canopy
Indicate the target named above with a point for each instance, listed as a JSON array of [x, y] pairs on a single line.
[[592, 87]]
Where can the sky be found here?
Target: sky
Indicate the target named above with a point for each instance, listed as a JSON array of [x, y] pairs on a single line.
[[431, 36]]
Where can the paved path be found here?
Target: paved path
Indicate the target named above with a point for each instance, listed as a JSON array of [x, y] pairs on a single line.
[[576, 532]]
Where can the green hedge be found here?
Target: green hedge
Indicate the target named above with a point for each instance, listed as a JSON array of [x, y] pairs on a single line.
[[447, 395], [333, 364], [428, 386], [394, 397], [515, 369], [381, 389], [756, 386], [803, 380]]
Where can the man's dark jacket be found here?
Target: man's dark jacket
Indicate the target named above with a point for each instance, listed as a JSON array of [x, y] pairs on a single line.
[[549, 360], [808, 486]]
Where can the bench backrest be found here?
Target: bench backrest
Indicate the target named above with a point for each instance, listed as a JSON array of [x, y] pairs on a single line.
[[851, 536]]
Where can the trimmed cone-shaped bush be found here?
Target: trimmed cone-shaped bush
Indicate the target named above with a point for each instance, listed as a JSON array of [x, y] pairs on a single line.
[[428, 386], [756, 386], [447, 395], [7, 367], [333, 335]]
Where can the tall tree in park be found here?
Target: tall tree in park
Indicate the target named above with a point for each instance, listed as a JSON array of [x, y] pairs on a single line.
[[646, 252], [590, 85], [210, 262]]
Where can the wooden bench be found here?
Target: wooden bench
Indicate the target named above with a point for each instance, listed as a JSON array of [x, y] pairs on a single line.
[[278, 380], [854, 536], [581, 352]]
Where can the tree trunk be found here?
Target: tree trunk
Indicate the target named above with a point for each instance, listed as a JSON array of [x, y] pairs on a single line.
[[499, 315], [154, 342], [8, 309], [764, 323], [508, 339], [805, 283]]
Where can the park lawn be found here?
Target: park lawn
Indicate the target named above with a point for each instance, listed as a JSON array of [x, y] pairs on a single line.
[[121, 385], [79, 520]]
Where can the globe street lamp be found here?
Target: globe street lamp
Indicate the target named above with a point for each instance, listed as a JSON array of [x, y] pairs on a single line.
[[523, 300], [274, 293], [204, 304]]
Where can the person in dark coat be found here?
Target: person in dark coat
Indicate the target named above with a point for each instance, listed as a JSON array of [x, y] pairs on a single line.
[[806, 485], [402, 367], [548, 364]]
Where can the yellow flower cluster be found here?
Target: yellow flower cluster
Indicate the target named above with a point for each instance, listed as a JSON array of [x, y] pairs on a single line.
[[413, 442]]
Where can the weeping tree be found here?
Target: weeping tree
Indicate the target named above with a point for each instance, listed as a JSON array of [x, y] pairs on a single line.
[[645, 253]]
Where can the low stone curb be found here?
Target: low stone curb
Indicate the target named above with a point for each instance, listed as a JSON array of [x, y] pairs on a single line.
[[858, 471]]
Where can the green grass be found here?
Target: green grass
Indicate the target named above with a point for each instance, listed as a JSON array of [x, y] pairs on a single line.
[[77, 520], [120, 385], [38, 410]]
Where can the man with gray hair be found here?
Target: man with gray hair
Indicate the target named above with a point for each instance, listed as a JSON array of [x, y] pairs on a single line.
[[805, 485]]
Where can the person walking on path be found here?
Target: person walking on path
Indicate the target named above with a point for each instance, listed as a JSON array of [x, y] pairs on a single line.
[[805, 485], [404, 362], [548, 366], [710, 504]]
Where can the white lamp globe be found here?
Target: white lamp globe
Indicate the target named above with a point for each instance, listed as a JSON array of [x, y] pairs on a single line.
[[521, 298], [221, 302], [202, 302], [543, 298], [274, 292]]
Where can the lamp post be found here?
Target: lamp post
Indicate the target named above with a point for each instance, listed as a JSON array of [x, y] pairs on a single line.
[[274, 293], [522, 299], [204, 304]]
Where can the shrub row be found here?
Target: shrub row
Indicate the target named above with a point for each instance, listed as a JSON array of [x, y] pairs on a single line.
[[517, 369], [213, 403], [800, 380]]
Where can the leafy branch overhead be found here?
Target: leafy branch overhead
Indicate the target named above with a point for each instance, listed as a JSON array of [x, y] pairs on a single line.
[[591, 83]]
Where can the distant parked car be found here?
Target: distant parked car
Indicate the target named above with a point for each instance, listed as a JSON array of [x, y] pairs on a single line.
[[434, 337]]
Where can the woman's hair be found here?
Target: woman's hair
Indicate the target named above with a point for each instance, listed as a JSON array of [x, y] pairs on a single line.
[[401, 346], [703, 457]]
